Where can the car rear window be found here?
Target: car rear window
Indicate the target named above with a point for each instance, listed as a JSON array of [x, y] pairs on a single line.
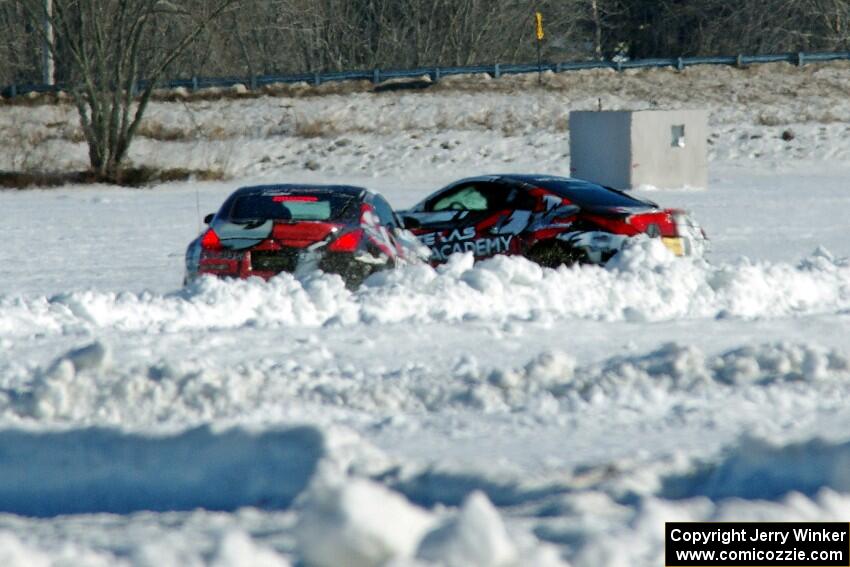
[[297, 207], [586, 194]]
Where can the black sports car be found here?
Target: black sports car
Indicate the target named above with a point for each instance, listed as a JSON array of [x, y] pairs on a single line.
[[268, 229], [552, 220]]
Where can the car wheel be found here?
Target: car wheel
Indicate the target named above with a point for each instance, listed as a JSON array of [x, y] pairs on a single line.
[[551, 254]]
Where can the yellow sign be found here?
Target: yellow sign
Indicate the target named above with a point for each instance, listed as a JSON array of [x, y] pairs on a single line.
[[540, 34]]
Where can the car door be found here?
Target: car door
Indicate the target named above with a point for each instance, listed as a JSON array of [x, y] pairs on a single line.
[[405, 244], [466, 218], [381, 226]]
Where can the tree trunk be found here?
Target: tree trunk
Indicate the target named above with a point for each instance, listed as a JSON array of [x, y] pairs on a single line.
[[104, 40], [597, 29]]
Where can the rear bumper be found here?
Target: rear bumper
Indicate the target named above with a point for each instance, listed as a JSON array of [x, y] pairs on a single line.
[[674, 244], [598, 246], [353, 268]]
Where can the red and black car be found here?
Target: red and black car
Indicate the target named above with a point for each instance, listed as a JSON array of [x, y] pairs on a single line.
[[551, 220], [265, 230]]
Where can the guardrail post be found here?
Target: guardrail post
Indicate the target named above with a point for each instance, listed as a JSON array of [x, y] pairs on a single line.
[[376, 76], [558, 68], [317, 79], [619, 66], [801, 59], [680, 64], [194, 83], [739, 61], [497, 71], [437, 75], [253, 82]]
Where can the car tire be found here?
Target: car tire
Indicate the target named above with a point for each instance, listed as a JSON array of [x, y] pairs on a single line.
[[551, 254]]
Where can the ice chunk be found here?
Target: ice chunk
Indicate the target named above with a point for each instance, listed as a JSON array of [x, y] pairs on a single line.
[[358, 523], [475, 537], [13, 553], [237, 549]]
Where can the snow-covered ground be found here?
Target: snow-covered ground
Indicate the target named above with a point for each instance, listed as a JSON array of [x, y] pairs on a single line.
[[494, 414]]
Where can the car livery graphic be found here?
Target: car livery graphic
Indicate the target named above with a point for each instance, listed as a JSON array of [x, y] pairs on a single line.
[[551, 220], [268, 229]]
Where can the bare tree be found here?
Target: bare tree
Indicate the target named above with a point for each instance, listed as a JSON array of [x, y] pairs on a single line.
[[18, 49], [103, 46], [101, 43]]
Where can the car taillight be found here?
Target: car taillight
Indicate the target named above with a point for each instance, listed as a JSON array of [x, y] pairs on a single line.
[[210, 241], [616, 225], [348, 242], [654, 224]]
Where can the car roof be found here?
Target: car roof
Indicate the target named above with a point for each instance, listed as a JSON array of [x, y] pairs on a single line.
[[530, 179], [562, 185], [541, 178], [271, 189]]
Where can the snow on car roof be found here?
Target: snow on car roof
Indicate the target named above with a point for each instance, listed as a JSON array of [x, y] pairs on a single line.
[[300, 188], [531, 178]]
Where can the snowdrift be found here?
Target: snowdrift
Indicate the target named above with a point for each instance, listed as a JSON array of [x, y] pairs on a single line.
[[103, 470], [340, 519], [644, 283], [359, 523], [757, 470], [81, 388]]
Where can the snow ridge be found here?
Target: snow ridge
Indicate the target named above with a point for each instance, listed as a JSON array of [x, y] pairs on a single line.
[[503, 288], [80, 387]]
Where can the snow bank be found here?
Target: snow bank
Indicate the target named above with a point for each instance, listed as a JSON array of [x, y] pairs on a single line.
[[641, 285], [555, 376], [101, 470], [548, 385], [237, 549], [639, 379], [13, 553], [616, 536], [476, 536], [676, 367], [752, 481], [358, 523], [755, 469], [231, 547], [337, 520]]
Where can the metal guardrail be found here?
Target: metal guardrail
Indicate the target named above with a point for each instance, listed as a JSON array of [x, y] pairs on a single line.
[[436, 73]]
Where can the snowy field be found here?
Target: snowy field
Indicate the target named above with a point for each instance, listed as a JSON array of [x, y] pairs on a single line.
[[495, 414]]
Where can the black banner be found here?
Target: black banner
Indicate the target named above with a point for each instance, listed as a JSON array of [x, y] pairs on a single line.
[[757, 544]]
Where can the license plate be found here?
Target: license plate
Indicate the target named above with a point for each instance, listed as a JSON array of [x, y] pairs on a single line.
[[675, 245]]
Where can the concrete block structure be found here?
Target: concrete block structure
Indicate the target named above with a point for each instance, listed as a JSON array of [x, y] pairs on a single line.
[[629, 149]]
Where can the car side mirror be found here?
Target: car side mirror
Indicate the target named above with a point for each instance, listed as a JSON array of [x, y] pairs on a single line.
[[208, 219], [411, 222]]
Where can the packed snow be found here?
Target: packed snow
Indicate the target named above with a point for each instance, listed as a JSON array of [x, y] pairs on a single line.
[[489, 414]]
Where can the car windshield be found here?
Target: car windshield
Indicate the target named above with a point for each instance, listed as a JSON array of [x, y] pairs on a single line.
[[320, 206], [585, 194]]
